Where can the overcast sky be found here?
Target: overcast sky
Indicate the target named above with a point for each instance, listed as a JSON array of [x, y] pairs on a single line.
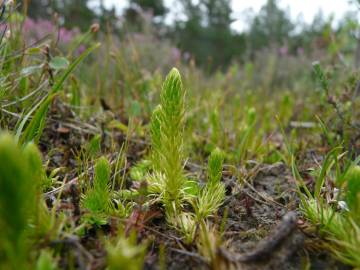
[[308, 8]]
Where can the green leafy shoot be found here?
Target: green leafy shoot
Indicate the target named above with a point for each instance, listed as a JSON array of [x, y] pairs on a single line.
[[18, 172], [353, 191], [212, 195], [46, 261], [97, 198], [167, 141], [246, 135], [34, 129], [36, 125], [125, 253]]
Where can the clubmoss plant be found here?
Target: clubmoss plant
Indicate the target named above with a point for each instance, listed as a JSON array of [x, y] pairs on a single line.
[[212, 195], [186, 224], [97, 198], [352, 179], [19, 170], [246, 136], [216, 130], [46, 261], [125, 253], [167, 141], [339, 225]]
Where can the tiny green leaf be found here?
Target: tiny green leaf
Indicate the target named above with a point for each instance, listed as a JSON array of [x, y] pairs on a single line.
[[59, 63]]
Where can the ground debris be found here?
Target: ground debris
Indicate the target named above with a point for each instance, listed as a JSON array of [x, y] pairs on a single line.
[[271, 252]]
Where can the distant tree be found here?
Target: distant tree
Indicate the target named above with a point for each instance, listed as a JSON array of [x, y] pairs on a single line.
[[38, 8], [72, 12], [138, 11], [271, 26], [206, 33], [75, 13], [156, 7]]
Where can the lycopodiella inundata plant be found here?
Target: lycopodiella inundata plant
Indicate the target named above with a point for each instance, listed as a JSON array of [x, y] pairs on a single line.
[[212, 195], [21, 208], [167, 127], [335, 213], [97, 198], [125, 253], [168, 179]]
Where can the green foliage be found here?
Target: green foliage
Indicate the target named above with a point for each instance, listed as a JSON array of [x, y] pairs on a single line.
[[19, 172], [125, 253], [340, 228], [215, 164], [272, 26], [186, 223], [212, 195], [94, 146], [155, 6], [97, 198], [207, 29], [75, 13], [215, 128], [34, 129], [140, 170], [167, 130], [352, 179], [246, 136], [59, 63], [46, 261], [321, 77], [155, 129]]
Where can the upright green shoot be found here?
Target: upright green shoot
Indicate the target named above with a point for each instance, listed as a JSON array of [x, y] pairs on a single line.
[[212, 195], [19, 184], [125, 253], [167, 128], [97, 199]]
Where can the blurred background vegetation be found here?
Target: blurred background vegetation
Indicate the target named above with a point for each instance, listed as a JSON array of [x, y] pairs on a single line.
[[203, 32]]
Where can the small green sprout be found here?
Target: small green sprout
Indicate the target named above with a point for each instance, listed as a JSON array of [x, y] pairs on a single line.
[[212, 195], [46, 261], [246, 139], [353, 191], [186, 224], [125, 253], [97, 199]]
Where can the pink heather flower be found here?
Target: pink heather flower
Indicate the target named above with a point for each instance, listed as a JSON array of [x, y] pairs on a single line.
[[81, 49], [300, 51], [176, 54], [36, 30], [283, 51]]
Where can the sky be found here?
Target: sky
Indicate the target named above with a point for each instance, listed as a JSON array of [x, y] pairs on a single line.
[[305, 8]]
